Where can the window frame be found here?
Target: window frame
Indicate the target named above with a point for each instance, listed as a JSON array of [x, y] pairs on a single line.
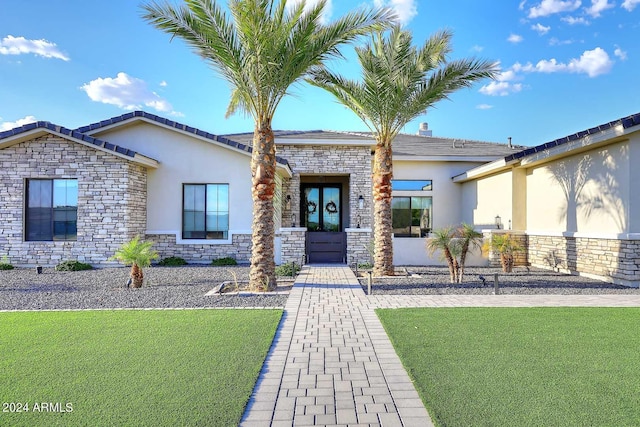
[[421, 233], [204, 238], [33, 228]]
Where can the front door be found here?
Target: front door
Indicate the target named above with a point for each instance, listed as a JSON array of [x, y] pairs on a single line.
[[322, 215]]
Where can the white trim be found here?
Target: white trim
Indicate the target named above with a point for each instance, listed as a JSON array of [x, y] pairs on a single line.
[[585, 235], [444, 158], [358, 230], [281, 229]]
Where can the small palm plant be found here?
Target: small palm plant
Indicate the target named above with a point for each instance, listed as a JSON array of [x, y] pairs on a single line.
[[138, 255], [443, 240], [455, 244], [506, 246], [469, 239]]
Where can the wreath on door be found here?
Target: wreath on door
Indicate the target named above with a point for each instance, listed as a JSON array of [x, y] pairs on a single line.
[[331, 207], [311, 207]]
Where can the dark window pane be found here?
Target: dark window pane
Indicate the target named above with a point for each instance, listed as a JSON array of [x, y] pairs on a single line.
[[205, 212], [52, 209]]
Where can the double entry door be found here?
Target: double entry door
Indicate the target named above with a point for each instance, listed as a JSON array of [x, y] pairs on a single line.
[[322, 216]]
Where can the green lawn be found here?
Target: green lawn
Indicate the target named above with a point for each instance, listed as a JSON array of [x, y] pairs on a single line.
[[522, 367], [142, 368]]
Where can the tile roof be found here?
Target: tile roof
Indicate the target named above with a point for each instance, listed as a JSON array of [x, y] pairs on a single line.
[[626, 122], [243, 146], [403, 145], [67, 132]]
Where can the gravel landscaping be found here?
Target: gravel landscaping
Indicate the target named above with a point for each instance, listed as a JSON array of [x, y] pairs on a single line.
[[164, 287], [435, 281], [186, 287]]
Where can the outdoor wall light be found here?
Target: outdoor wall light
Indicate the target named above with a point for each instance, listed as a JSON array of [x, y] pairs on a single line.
[[359, 218], [361, 202], [293, 220], [287, 204], [498, 222], [509, 224]]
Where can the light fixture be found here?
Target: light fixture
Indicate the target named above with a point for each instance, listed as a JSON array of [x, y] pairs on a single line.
[[358, 226], [361, 202], [498, 222], [287, 204], [293, 220], [509, 224]]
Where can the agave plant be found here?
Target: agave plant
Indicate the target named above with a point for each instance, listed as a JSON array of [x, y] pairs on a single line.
[[138, 255]]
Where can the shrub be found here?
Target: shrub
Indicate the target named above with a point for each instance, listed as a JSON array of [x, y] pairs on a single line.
[[287, 269], [365, 265], [224, 261], [5, 264], [138, 255], [73, 266], [172, 261]]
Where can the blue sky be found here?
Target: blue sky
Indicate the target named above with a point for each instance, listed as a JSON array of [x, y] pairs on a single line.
[[566, 66]]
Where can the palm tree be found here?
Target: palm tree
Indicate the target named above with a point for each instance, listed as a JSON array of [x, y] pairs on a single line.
[[444, 240], [138, 255], [399, 83], [469, 239], [261, 51]]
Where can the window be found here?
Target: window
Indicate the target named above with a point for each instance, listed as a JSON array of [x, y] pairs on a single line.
[[412, 184], [411, 216], [205, 211], [51, 209]]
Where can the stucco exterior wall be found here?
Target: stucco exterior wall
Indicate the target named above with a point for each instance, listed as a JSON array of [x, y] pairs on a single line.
[[186, 159], [111, 200], [585, 193], [487, 197]]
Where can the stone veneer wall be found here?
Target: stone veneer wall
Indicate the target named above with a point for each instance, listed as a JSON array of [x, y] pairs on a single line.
[[358, 241], [239, 249], [610, 259], [111, 200], [331, 160], [354, 162], [293, 244]]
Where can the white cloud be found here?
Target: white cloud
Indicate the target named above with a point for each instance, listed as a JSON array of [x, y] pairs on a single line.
[[406, 10], [484, 106], [598, 6], [630, 4], [326, 15], [549, 7], [20, 122], [620, 54], [163, 83], [540, 29], [515, 38], [592, 63], [574, 21], [522, 4], [477, 48], [11, 45], [126, 92], [500, 88]]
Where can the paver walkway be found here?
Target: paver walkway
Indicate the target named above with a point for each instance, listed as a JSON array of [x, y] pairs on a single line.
[[331, 363]]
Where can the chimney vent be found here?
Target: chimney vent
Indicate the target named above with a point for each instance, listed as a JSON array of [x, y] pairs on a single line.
[[510, 145], [424, 130]]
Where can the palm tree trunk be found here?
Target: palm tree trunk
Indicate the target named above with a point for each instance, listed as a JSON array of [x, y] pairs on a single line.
[[451, 262], [137, 277], [463, 259], [262, 275], [382, 226]]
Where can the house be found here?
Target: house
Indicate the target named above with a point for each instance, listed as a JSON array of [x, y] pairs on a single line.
[[572, 201], [79, 194]]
